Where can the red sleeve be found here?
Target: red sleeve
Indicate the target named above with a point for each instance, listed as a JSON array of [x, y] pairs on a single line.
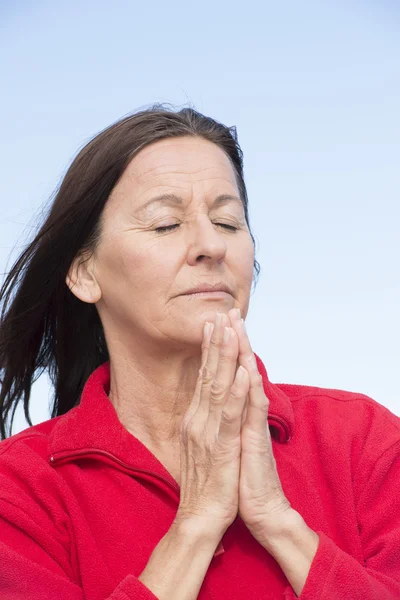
[[35, 542], [20, 577], [336, 575]]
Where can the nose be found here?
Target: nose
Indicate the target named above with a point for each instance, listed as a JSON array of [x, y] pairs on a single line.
[[206, 241]]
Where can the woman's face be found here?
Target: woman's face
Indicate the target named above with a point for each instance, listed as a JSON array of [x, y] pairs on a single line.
[[143, 273]]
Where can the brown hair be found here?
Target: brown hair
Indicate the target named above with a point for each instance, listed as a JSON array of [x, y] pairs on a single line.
[[43, 324]]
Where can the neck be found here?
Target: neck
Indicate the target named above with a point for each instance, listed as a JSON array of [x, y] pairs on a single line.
[[151, 391]]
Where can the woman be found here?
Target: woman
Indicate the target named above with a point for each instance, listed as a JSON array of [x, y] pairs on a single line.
[[172, 466]]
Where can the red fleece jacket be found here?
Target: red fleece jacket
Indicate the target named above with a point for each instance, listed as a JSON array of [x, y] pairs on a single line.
[[83, 503]]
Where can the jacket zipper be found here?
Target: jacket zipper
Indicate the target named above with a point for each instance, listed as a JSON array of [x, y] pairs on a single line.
[[64, 457]]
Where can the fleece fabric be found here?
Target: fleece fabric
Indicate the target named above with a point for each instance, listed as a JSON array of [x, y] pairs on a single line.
[[83, 503]]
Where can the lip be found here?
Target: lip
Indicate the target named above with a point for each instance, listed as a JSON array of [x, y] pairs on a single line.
[[208, 288], [216, 295]]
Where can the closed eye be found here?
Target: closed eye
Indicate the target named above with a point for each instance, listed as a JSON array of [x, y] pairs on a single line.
[[171, 227]]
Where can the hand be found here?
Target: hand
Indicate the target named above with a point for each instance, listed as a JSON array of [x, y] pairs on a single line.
[[210, 439], [263, 505]]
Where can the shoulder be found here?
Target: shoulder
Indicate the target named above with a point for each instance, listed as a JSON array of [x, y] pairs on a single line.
[[25, 470], [342, 418], [32, 440], [339, 402], [24, 462]]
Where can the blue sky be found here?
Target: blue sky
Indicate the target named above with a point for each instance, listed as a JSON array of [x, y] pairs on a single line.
[[314, 90]]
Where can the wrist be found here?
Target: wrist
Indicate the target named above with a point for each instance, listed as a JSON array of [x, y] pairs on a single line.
[[290, 531], [293, 546], [178, 564], [191, 531]]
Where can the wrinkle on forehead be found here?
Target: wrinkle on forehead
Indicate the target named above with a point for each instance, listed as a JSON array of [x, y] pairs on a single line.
[[186, 166], [165, 156]]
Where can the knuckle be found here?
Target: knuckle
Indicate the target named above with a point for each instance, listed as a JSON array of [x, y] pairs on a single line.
[[228, 417], [193, 430], [265, 401], [227, 351], [263, 406], [236, 392], [218, 390], [214, 344], [225, 358], [258, 380], [208, 375]]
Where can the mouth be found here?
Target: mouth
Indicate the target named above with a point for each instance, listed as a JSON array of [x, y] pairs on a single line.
[[216, 295], [209, 290]]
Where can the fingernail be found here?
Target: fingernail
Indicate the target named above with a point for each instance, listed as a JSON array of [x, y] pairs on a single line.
[[206, 329]]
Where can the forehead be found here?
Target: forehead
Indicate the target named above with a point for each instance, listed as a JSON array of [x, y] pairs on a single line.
[[182, 161]]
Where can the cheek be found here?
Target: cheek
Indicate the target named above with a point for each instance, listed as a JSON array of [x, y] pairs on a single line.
[[244, 276], [147, 269], [133, 281], [244, 261], [120, 268]]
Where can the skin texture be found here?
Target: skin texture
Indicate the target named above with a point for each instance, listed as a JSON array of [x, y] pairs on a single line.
[[137, 277]]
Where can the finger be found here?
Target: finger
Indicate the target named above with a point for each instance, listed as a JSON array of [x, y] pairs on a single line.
[[231, 416], [246, 356], [225, 375], [234, 314], [258, 404], [207, 332], [210, 366], [257, 409]]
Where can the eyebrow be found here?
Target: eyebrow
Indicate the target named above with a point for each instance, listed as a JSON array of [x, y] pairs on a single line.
[[174, 200]]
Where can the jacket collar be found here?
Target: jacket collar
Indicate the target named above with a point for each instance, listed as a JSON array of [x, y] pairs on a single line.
[[93, 425]]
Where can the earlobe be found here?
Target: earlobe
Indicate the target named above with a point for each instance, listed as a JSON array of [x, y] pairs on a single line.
[[82, 282]]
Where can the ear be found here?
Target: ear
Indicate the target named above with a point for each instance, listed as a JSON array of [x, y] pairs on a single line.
[[82, 281]]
